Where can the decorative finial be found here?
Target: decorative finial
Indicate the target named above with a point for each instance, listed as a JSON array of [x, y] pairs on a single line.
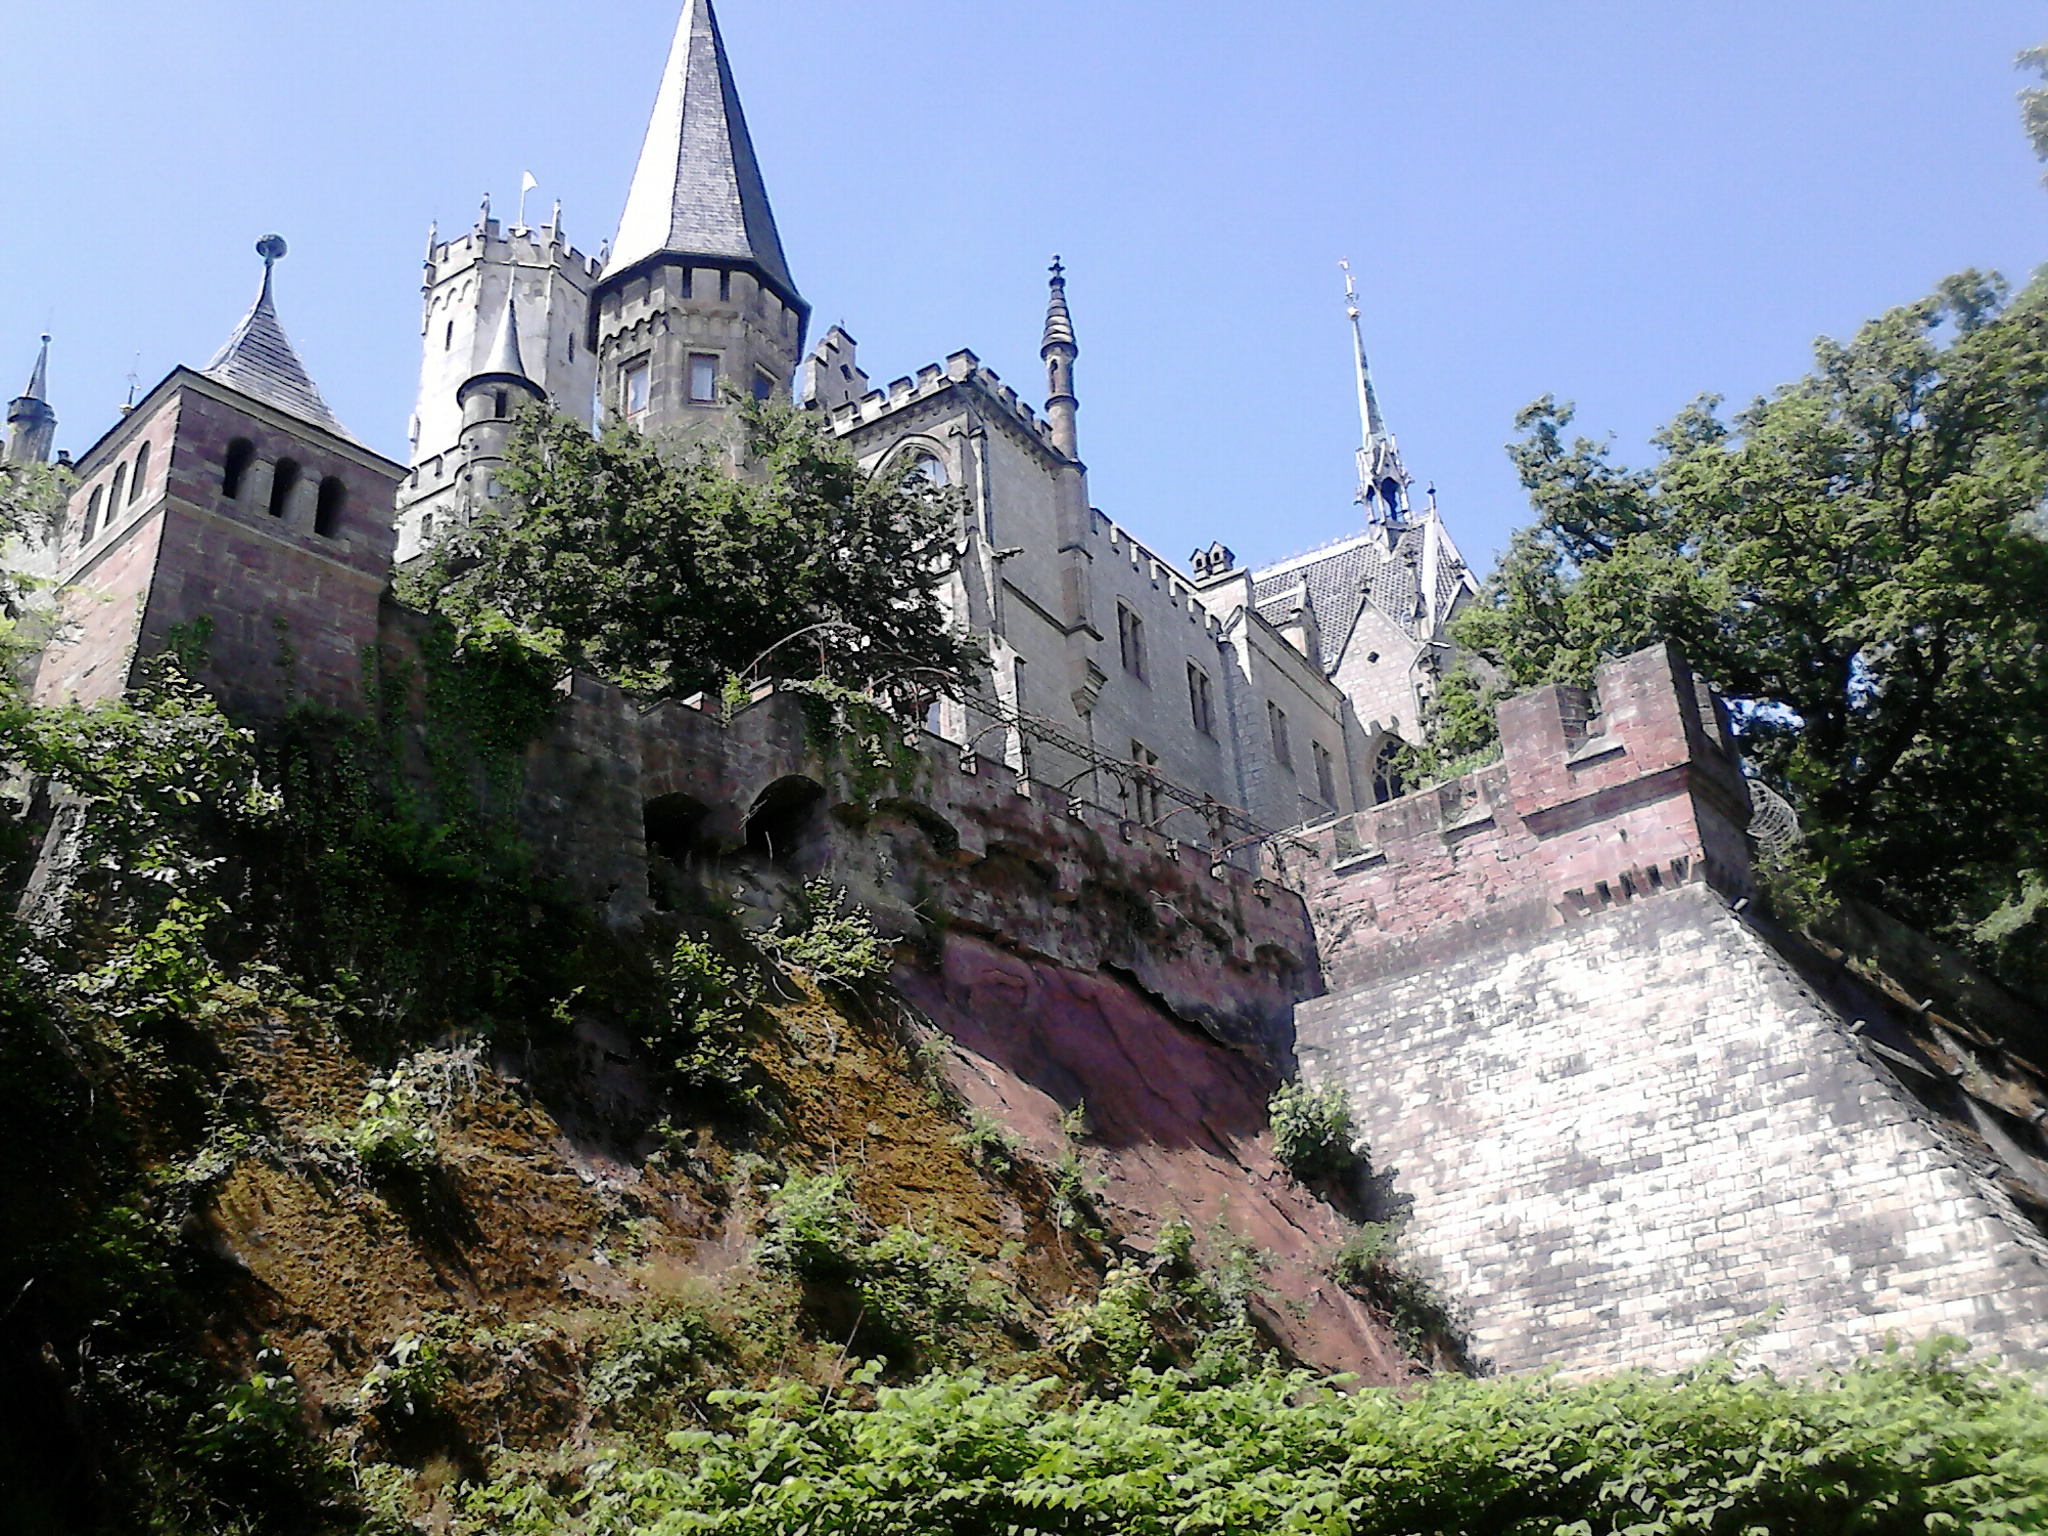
[[272, 249], [483, 219], [1059, 273]]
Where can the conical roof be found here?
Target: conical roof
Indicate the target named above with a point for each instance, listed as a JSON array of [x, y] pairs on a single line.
[[698, 190], [39, 376], [259, 361], [1059, 324], [504, 359]]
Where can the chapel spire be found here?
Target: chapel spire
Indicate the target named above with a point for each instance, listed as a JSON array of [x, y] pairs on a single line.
[[31, 424], [1059, 351], [1382, 479], [258, 360], [698, 190]]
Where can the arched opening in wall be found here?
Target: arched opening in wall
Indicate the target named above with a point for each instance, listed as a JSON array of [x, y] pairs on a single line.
[[241, 454], [501, 404], [918, 470], [116, 493], [675, 838], [283, 481], [785, 816], [92, 518], [1390, 493], [327, 511], [1386, 773], [141, 475]]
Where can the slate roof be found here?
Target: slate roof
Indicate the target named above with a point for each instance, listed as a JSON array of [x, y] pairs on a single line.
[[698, 190], [259, 361], [1339, 579]]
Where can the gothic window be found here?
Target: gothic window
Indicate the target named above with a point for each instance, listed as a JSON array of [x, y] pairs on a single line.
[[703, 377], [114, 496], [327, 511], [1130, 640], [1276, 723], [92, 518], [1386, 774], [283, 481], [764, 385], [1144, 783], [1326, 779], [633, 389], [241, 454], [1201, 709], [135, 481], [917, 469]]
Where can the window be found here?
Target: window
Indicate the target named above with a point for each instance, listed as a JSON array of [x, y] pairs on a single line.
[[1386, 774], [1276, 721], [501, 404], [114, 495], [764, 385], [283, 481], [241, 454], [572, 349], [1326, 780], [703, 377], [1200, 708], [327, 511], [725, 287], [1144, 783], [1130, 641], [918, 470], [92, 517], [135, 481], [448, 336], [633, 389]]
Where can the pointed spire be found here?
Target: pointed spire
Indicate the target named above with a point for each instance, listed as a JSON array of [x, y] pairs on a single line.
[[698, 190], [1382, 480], [259, 361], [31, 424], [1059, 324], [504, 358], [1059, 351]]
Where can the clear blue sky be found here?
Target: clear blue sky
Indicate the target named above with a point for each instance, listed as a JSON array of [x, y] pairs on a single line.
[[1624, 203]]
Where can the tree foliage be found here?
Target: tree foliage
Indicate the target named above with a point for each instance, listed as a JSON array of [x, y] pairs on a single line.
[[659, 568], [2034, 100], [1856, 562]]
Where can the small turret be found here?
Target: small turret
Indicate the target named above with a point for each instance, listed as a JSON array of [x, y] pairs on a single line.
[[1059, 351], [31, 424]]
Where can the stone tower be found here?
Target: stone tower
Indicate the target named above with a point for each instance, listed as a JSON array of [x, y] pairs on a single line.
[[696, 301], [467, 283], [31, 424]]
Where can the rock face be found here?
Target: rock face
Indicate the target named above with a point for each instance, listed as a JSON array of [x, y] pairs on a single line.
[[1627, 1123]]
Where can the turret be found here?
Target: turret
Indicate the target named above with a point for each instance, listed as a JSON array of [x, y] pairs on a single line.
[[1059, 351], [31, 424], [467, 281], [697, 301]]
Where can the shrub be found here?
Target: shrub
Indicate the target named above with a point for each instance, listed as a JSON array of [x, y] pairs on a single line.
[[1423, 1323], [989, 1146], [701, 1040], [837, 943], [644, 1359], [407, 1383], [1312, 1132], [1118, 1330], [811, 1228], [397, 1129]]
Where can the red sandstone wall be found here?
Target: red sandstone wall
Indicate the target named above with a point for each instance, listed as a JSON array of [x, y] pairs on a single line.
[[1597, 799]]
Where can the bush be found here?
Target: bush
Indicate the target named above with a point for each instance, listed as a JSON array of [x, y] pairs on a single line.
[[1422, 1322], [700, 1041], [1312, 1132], [642, 1361], [989, 1146], [407, 1383], [397, 1130], [837, 942], [811, 1228]]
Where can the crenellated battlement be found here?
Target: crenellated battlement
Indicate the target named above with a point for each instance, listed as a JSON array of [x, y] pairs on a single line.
[[1600, 797], [932, 380], [545, 246]]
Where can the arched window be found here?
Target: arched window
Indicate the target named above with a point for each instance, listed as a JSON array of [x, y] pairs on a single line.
[[92, 518], [501, 404], [141, 474], [114, 496], [327, 512], [241, 454], [920, 469], [283, 481], [1390, 493], [1386, 774]]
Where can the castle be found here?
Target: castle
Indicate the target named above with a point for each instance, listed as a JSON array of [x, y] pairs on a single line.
[[1626, 1116]]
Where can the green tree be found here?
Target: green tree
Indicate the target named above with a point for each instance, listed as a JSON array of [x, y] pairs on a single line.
[[31, 501], [2034, 100], [657, 567], [1855, 561]]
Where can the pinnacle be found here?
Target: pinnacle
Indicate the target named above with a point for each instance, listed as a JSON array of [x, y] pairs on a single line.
[[258, 359]]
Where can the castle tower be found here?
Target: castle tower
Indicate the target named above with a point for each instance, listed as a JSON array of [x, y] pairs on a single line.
[[696, 299], [465, 292], [31, 424], [1382, 479], [1059, 351]]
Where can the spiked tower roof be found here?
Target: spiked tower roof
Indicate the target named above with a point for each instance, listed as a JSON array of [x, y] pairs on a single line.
[[259, 361], [698, 190]]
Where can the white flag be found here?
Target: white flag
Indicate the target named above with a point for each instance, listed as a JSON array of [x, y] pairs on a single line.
[[527, 183]]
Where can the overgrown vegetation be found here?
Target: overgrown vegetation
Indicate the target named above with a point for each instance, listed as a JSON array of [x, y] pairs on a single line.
[[1313, 1133]]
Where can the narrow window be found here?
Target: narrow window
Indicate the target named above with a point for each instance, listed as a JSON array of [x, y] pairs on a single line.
[[688, 284], [501, 404], [426, 526], [764, 386], [283, 481], [241, 454], [703, 377], [1145, 782], [1276, 720], [725, 287], [1386, 774], [92, 517], [1326, 780], [136, 480], [327, 511], [1130, 639], [1200, 707], [114, 495], [448, 337], [572, 349], [633, 389]]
